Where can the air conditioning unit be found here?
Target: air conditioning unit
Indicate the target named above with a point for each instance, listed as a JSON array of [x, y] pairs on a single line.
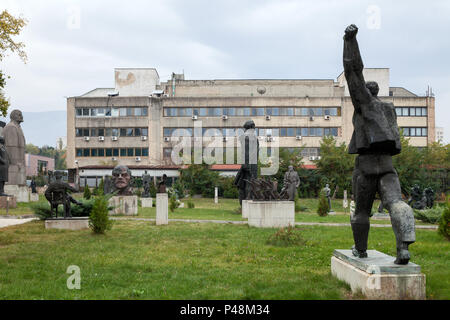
[[225, 139], [224, 117], [298, 137], [144, 138], [87, 138], [312, 158], [138, 159], [269, 139], [114, 159], [311, 118], [194, 117], [166, 139], [114, 138], [267, 117], [101, 138], [318, 157], [326, 117]]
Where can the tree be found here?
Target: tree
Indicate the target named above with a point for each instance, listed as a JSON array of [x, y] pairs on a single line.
[[9, 28], [198, 179], [335, 164]]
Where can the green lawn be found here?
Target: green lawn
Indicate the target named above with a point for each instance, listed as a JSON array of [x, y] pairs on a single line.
[[139, 260]]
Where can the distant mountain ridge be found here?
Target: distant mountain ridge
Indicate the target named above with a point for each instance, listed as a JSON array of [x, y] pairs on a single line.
[[43, 128]]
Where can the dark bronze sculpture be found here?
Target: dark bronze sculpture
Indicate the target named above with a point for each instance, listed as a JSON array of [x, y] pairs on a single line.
[[162, 184], [146, 181], [4, 164], [121, 177], [262, 190], [249, 168], [33, 186], [375, 139], [58, 193], [429, 194], [291, 183], [327, 192]]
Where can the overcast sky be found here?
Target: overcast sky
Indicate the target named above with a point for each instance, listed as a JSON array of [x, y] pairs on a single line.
[[73, 46]]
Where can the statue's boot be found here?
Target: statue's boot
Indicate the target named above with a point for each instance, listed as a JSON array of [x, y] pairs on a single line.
[[402, 219], [360, 235]]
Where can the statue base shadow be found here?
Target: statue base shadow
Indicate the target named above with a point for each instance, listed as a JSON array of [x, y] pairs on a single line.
[[269, 214], [78, 223], [378, 277], [124, 205]]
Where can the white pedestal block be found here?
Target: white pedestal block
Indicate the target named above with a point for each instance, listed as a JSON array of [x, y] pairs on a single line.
[[162, 208], [146, 202], [126, 205], [22, 193], [271, 214], [68, 224], [377, 277], [245, 208], [34, 197], [216, 195]]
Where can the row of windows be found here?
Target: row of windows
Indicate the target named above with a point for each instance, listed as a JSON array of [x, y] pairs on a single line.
[[411, 112], [415, 132], [108, 132], [304, 152], [243, 112], [112, 112], [231, 132], [112, 152]]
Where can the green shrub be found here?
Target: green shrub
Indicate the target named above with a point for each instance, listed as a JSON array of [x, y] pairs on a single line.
[[87, 192], [173, 203], [227, 189], [429, 215], [322, 209], [99, 220], [152, 190], [444, 222], [179, 188], [286, 237], [298, 206], [42, 209], [190, 205]]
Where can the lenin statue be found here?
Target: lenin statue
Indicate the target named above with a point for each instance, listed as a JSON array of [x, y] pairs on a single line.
[[15, 146], [375, 139]]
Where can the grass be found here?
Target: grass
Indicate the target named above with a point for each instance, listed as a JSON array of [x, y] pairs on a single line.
[[139, 260]]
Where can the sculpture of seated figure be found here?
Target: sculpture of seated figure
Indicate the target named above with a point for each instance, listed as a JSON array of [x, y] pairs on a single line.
[[58, 193]]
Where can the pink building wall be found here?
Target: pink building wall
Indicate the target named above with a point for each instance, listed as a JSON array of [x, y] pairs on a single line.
[[31, 161]]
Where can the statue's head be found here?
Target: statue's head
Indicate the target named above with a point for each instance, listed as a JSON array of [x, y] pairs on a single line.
[[58, 175], [327, 185], [16, 115], [373, 87], [291, 168], [250, 124], [121, 177]]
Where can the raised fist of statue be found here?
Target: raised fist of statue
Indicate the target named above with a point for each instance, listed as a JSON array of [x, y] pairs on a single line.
[[350, 32]]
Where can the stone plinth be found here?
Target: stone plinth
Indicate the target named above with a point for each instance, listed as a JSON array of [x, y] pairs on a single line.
[[245, 208], [126, 205], [78, 223], [381, 216], [34, 197], [22, 193], [377, 276], [146, 202], [162, 208], [8, 201], [271, 214]]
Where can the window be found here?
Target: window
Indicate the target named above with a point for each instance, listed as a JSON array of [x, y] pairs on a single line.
[[101, 152], [115, 152], [137, 132], [86, 152], [144, 131], [115, 112], [86, 112], [405, 112], [108, 132], [203, 112], [137, 152], [167, 132], [79, 152], [217, 112], [257, 112], [144, 111], [305, 132], [130, 152], [398, 111], [123, 112], [246, 111], [100, 112], [115, 132], [94, 152], [145, 152], [290, 132], [283, 132], [123, 152], [108, 152], [138, 112], [130, 112], [412, 112], [93, 112], [129, 132], [86, 132], [93, 132], [108, 112], [123, 132], [79, 112], [78, 132], [167, 152], [101, 132]]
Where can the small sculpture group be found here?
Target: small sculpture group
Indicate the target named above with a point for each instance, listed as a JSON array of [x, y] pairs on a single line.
[[421, 200], [58, 193]]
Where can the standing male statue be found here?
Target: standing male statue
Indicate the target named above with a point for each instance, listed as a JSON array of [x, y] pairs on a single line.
[[327, 192], [15, 146], [375, 139], [249, 168], [291, 183]]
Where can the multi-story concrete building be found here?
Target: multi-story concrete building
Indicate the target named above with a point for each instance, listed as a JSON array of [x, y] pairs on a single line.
[[136, 122], [439, 134]]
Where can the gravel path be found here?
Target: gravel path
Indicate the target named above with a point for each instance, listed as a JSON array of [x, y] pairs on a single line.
[[6, 222]]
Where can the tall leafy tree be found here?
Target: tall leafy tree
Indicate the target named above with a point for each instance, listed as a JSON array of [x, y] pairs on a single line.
[[10, 27]]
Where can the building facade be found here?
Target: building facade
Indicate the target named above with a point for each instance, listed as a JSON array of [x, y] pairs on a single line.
[[38, 164], [141, 121]]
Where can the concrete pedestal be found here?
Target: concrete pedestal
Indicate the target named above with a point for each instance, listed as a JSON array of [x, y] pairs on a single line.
[[78, 223], [377, 277], [245, 208], [271, 214], [381, 216], [8, 201], [146, 202], [34, 197], [126, 205], [162, 208], [22, 193], [216, 195]]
